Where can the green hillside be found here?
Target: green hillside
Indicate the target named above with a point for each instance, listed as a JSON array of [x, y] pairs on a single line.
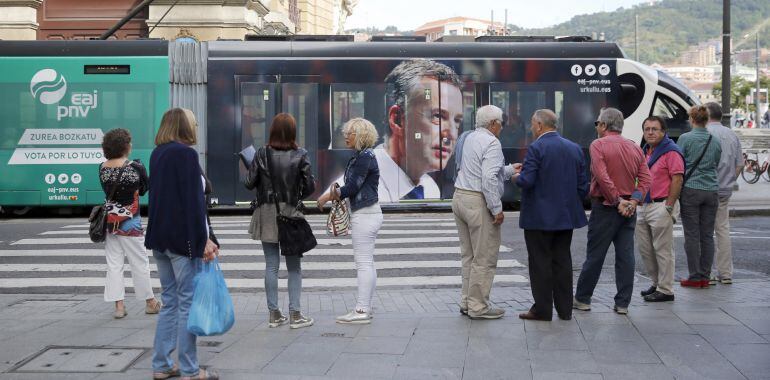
[[668, 27]]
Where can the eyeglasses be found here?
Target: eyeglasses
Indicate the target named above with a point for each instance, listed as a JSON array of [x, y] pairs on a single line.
[[647, 130]]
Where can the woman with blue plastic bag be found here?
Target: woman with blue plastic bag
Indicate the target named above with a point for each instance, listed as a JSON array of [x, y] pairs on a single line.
[[178, 233], [280, 169]]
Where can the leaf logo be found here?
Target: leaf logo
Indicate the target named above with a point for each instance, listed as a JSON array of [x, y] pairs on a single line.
[[48, 86]]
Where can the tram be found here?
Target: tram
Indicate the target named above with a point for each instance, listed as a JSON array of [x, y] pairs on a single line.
[[58, 98]]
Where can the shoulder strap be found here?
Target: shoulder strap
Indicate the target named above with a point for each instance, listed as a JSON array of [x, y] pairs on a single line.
[[120, 175], [268, 168], [697, 162]]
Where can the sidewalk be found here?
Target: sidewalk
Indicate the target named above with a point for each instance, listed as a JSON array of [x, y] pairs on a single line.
[[719, 333]]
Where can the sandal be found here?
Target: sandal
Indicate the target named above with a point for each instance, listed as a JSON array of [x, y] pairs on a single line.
[[169, 373], [204, 374], [153, 308], [119, 313]]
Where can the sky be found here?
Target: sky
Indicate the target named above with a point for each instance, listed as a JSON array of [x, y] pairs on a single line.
[[410, 14]]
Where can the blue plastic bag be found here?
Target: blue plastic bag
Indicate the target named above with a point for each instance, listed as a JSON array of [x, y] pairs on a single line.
[[211, 312]]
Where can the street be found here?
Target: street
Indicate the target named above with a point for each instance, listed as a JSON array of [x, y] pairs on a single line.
[[413, 251]]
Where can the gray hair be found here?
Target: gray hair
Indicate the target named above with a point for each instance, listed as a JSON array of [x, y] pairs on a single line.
[[487, 114], [405, 78], [546, 117], [715, 111], [612, 118]]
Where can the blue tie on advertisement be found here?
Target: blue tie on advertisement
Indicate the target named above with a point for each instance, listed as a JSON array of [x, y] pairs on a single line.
[[417, 193]]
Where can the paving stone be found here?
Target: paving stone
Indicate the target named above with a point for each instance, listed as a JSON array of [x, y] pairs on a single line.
[[498, 330], [690, 356], [358, 365], [555, 340], [706, 317], [378, 345], [728, 334], [435, 352], [609, 352], [493, 372], [566, 375], [753, 360], [626, 371], [422, 373], [612, 332], [562, 361]]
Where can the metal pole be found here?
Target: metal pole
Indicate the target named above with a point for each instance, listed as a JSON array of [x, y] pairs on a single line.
[[726, 63], [124, 20], [756, 99], [505, 25], [492, 20], [636, 38]]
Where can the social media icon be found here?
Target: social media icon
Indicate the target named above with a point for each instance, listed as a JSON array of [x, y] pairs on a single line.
[[50, 178], [604, 69], [590, 70], [63, 178], [576, 70], [76, 178]]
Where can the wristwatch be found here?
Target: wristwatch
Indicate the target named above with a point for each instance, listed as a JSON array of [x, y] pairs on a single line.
[[670, 209]]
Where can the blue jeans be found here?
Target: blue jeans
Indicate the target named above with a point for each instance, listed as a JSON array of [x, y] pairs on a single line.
[[607, 226], [272, 262], [176, 278]]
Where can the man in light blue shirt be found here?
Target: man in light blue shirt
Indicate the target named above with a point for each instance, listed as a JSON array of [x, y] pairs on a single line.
[[730, 164], [478, 211]]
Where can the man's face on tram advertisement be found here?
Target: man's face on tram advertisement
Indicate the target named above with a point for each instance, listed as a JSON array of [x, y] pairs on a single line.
[[426, 119]]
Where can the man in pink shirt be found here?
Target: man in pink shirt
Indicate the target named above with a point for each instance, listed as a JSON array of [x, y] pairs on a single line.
[[620, 181], [656, 216]]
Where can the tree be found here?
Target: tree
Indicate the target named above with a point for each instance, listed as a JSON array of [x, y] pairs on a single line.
[[739, 89]]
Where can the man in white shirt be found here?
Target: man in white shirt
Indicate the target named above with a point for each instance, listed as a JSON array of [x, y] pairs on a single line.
[[478, 211]]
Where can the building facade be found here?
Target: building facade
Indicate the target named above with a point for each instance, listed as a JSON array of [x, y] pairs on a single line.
[[458, 26]]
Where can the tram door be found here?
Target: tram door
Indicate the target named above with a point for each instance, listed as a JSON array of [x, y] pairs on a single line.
[[433, 116], [261, 98]]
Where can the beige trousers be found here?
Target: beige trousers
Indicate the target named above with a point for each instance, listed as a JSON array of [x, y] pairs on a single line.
[[655, 239], [479, 246], [724, 251]]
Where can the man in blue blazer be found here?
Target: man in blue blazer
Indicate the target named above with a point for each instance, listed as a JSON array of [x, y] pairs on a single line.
[[553, 182]]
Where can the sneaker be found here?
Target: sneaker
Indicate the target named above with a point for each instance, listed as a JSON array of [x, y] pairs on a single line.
[[726, 281], [580, 306], [649, 291], [489, 314], [153, 308], [119, 313], [277, 319], [713, 281], [464, 311], [358, 317], [298, 321], [620, 310], [658, 297]]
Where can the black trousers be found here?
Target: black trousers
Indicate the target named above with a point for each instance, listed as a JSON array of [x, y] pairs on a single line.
[[550, 271]]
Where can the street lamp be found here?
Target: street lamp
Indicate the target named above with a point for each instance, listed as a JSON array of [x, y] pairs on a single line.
[[756, 95]]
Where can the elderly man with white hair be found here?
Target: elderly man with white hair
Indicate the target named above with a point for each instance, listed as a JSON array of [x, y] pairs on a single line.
[[478, 211]]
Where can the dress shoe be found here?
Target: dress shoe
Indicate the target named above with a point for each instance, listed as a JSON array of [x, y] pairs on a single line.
[[565, 317], [649, 291], [659, 297], [532, 317], [694, 283]]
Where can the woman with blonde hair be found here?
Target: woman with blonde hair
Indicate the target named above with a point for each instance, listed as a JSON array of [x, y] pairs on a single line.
[[180, 237], [362, 176]]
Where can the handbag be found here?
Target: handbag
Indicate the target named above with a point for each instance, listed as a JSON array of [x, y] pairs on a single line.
[[97, 228], [338, 222], [295, 237]]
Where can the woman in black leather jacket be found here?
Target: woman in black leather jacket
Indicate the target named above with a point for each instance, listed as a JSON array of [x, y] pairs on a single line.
[[293, 181], [362, 176]]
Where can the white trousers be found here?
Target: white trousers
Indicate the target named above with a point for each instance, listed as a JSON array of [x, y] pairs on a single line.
[[116, 249], [365, 223], [724, 251]]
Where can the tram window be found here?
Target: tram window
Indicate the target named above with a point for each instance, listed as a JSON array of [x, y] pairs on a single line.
[[300, 101], [675, 115], [518, 105], [346, 105]]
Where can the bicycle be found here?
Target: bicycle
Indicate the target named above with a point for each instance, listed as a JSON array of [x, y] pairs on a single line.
[[751, 170], [765, 167]]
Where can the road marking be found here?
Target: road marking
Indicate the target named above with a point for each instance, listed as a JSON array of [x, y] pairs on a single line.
[[257, 283], [318, 222], [242, 252], [257, 266], [245, 232], [321, 241]]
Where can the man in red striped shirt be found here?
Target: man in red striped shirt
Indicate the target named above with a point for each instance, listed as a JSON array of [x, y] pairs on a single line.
[[620, 181]]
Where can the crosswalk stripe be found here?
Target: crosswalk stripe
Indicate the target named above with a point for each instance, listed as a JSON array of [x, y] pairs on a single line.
[[321, 241], [244, 232], [255, 266], [242, 252], [257, 283], [386, 221]]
